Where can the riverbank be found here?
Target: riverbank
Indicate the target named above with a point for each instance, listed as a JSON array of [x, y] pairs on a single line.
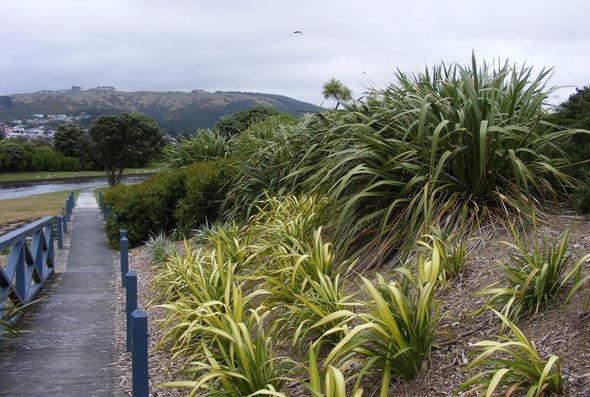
[[15, 213], [10, 179]]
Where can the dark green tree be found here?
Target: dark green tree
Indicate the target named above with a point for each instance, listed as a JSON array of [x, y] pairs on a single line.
[[118, 142], [238, 122], [12, 156], [70, 140], [334, 89]]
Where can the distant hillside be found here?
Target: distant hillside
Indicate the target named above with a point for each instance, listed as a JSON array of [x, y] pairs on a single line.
[[174, 111]]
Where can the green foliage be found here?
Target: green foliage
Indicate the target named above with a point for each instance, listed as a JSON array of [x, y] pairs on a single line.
[[160, 247], [536, 274], [146, 207], [452, 250], [69, 139], [205, 186], [180, 199], [334, 89], [205, 145], [24, 156], [513, 364], [452, 146], [334, 384], [396, 336], [12, 156], [581, 197], [236, 123], [121, 141], [265, 154]]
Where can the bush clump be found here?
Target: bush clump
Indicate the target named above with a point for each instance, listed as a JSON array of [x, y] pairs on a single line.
[[145, 207], [179, 199]]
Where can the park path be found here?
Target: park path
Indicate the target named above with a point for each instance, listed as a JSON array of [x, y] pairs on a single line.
[[67, 349]]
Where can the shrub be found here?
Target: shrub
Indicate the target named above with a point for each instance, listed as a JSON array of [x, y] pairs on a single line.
[[145, 208], [205, 190], [581, 197]]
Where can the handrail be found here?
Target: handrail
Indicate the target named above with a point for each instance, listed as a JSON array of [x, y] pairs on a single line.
[[30, 261]]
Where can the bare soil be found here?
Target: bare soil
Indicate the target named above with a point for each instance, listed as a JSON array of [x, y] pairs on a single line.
[[563, 332]]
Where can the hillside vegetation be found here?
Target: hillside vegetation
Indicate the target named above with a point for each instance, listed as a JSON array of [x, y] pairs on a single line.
[[174, 111], [343, 254]]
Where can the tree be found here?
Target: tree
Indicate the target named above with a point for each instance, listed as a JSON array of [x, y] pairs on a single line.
[[118, 142], [334, 89], [575, 113], [70, 140], [238, 122]]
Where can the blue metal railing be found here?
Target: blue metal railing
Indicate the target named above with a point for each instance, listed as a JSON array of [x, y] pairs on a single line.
[[30, 261]]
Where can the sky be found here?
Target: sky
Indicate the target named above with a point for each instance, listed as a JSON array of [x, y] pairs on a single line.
[[249, 45]]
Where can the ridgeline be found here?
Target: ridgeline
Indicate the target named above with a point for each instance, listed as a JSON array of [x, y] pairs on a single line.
[[174, 111]]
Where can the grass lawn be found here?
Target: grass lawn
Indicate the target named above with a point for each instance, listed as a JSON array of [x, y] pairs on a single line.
[[32, 207], [45, 175]]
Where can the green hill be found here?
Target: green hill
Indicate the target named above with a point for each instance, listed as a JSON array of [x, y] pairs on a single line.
[[174, 111]]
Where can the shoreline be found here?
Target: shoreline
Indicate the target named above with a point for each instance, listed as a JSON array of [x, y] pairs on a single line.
[[74, 179]]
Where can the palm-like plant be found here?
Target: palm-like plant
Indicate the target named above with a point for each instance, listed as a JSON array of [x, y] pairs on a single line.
[[334, 89]]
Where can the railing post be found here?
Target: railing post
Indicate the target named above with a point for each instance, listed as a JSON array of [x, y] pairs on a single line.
[[67, 208], [139, 353], [130, 302], [65, 219], [108, 212], [60, 238], [116, 219], [124, 250], [100, 200]]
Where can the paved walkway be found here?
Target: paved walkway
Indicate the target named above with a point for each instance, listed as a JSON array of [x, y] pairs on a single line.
[[67, 350]]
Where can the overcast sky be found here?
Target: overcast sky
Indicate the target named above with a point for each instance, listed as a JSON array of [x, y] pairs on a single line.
[[249, 45]]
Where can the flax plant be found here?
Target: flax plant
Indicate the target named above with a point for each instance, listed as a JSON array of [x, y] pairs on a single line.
[[203, 146], [334, 384], [512, 364], [452, 250], [235, 362], [536, 275], [396, 336], [308, 285], [454, 146]]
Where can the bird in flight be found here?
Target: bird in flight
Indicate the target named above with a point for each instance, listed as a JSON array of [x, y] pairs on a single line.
[[297, 32]]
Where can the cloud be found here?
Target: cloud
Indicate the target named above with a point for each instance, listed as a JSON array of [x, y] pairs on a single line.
[[237, 45]]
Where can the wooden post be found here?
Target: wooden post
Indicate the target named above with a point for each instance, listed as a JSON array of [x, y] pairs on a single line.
[[124, 250], [64, 219], [139, 353], [60, 238], [130, 302]]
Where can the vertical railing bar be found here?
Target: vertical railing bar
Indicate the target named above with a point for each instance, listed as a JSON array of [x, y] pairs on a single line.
[[139, 353], [130, 302], [60, 237]]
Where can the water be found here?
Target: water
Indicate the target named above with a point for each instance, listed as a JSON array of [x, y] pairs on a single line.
[[8, 192]]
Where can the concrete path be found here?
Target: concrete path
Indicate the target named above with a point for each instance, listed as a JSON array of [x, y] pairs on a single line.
[[67, 350]]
